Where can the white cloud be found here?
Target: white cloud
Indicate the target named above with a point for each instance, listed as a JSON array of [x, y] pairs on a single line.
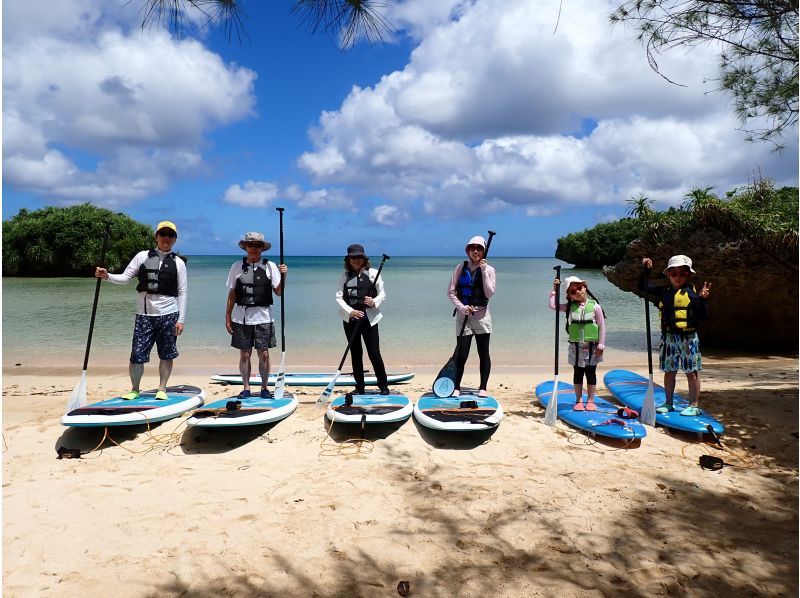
[[319, 199], [254, 194], [389, 215], [96, 109]]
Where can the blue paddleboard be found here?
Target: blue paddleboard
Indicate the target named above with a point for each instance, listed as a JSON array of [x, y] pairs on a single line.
[[144, 409], [369, 408], [603, 422], [252, 411], [458, 414], [629, 389]]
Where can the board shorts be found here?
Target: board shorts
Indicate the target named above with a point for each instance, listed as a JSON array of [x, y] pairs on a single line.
[[158, 330], [680, 352], [247, 336], [475, 325], [580, 356]]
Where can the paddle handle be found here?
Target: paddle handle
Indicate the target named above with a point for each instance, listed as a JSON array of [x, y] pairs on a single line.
[[96, 295], [283, 286], [558, 311], [647, 324]]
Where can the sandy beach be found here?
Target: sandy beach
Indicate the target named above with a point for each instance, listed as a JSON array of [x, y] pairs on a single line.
[[527, 511]]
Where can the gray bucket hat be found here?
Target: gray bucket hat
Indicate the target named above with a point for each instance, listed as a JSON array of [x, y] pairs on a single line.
[[254, 238]]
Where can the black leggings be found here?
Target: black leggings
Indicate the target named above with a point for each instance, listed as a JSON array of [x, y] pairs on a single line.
[[372, 342], [464, 344], [591, 374]]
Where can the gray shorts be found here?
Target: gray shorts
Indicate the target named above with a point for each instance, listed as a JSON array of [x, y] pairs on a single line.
[[475, 324], [247, 336]]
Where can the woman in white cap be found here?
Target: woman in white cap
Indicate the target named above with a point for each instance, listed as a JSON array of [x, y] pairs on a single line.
[[586, 327], [472, 285], [681, 307], [357, 300]]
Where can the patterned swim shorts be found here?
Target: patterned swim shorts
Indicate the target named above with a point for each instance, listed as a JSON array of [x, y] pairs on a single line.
[[154, 330], [679, 352]]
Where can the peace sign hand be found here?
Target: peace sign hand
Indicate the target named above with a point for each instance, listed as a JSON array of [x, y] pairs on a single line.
[[706, 290]]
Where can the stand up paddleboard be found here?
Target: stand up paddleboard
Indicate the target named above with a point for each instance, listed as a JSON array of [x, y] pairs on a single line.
[[629, 389], [603, 422], [144, 409], [465, 413], [311, 379], [252, 411], [369, 408]]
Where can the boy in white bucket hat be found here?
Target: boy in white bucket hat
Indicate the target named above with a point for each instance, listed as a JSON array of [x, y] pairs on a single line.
[[472, 285], [682, 307]]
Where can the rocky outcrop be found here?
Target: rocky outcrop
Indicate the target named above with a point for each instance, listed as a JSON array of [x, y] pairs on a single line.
[[753, 303]]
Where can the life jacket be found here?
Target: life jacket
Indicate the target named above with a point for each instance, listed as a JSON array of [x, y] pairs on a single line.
[[581, 324], [678, 309], [157, 280], [356, 287], [254, 286], [469, 287]]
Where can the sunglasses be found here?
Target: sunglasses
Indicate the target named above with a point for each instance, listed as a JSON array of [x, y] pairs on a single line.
[[678, 273], [356, 257], [167, 233], [475, 247], [254, 245]]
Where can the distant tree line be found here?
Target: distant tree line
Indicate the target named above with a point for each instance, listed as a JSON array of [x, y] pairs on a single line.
[[57, 241], [760, 213]]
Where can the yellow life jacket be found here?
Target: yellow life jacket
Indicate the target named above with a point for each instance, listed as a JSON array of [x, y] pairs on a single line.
[[679, 316]]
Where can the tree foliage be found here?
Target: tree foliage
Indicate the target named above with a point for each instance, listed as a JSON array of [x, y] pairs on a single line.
[[58, 241], [759, 58], [599, 246]]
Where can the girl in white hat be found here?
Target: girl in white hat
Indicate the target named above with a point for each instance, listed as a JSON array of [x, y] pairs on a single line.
[[471, 287], [586, 327], [681, 307]]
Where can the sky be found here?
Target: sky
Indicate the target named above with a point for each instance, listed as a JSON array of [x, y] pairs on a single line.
[[473, 115]]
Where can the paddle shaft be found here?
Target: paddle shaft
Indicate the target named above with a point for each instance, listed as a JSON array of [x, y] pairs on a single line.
[[96, 296], [558, 311], [647, 324], [283, 287], [466, 316], [357, 327]]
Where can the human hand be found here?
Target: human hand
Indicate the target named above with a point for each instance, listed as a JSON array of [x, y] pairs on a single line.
[[283, 269], [599, 351], [706, 290], [101, 273], [178, 328], [647, 263], [556, 283], [356, 314], [482, 263], [228, 326], [369, 301]]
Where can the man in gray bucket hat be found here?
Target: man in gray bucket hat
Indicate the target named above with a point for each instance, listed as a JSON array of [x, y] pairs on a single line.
[[248, 313]]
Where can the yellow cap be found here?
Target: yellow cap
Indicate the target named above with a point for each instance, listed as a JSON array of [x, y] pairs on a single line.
[[167, 224]]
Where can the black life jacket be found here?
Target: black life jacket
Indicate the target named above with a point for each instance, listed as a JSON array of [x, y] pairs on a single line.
[[254, 287], [356, 287], [469, 288], [157, 280], [679, 309]]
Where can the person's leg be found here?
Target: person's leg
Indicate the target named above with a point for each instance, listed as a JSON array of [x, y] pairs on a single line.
[[693, 378], [144, 337], [264, 340], [669, 387], [463, 343], [245, 368], [577, 384], [591, 386], [164, 372], [356, 354], [136, 370], [482, 344], [167, 346], [373, 345]]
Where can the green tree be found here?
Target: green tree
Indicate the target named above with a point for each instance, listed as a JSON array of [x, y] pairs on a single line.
[[759, 57], [58, 241], [600, 246]]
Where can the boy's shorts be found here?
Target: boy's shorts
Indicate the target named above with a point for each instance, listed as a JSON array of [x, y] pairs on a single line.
[[158, 330], [680, 352], [247, 336]]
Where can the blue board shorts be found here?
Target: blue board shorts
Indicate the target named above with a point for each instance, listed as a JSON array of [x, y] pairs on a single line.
[[247, 336], [680, 352], [154, 330]]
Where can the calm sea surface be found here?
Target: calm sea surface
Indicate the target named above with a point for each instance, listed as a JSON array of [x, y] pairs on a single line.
[[50, 317]]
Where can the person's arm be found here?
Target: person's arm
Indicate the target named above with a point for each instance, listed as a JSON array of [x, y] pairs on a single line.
[[130, 271], [278, 280], [344, 310], [229, 310], [380, 294], [601, 324], [489, 279], [451, 290], [183, 294]]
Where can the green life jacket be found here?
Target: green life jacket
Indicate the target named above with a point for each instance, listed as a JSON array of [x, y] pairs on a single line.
[[581, 325]]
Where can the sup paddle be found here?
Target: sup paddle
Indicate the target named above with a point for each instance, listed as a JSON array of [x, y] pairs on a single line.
[[648, 415], [551, 412], [444, 385], [78, 397], [322, 401], [280, 377]]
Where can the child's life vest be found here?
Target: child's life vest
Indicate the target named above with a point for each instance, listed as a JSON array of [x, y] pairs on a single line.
[[581, 324], [679, 314], [469, 288], [254, 286], [159, 280]]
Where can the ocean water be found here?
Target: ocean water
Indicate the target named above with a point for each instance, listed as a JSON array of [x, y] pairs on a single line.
[[49, 318]]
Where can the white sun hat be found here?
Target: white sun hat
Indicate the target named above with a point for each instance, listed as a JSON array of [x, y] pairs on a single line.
[[677, 261]]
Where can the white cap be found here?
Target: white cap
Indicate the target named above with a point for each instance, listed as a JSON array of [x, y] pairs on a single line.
[[676, 261], [572, 279]]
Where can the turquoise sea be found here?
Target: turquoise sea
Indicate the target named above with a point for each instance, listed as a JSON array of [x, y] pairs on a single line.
[[48, 318]]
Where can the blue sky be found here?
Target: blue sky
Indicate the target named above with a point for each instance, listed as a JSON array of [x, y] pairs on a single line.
[[476, 115]]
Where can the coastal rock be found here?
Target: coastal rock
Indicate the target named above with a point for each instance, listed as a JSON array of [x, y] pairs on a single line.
[[753, 295]]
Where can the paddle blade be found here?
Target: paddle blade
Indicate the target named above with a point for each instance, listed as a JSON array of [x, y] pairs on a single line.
[[551, 411], [78, 397], [648, 415], [445, 383], [325, 397], [280, 379]]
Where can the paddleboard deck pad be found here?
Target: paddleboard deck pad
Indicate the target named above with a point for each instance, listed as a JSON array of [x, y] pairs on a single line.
[[252, 411], [144, 409], [369, 408], [629, 389], [311, 379], [603, 422], [465, 413]]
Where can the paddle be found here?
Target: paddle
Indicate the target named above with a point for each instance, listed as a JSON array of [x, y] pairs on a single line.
[[648, 415], [326, 394], [280, 377], [78, 397], [444, 385], [551, 412]]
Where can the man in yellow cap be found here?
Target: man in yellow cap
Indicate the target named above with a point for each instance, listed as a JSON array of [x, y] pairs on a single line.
[[160, 307]]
